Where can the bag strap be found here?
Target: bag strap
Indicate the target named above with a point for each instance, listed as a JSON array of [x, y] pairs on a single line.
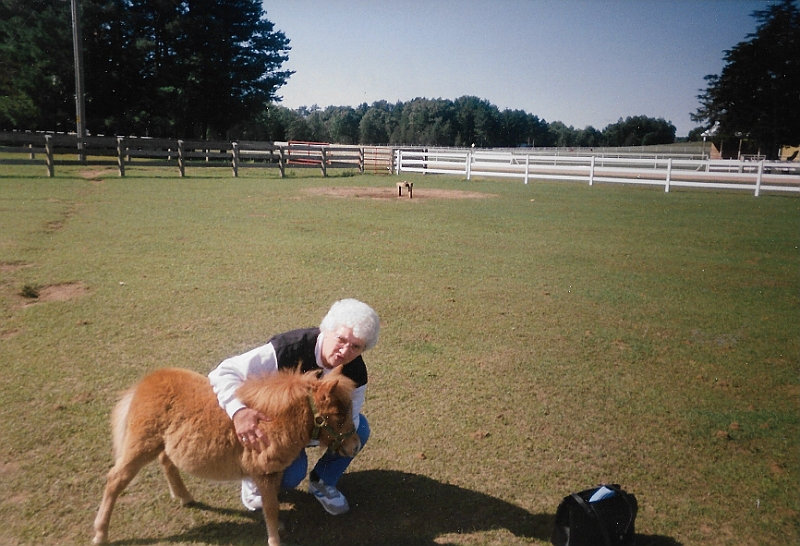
[[587, 506], [627, 500]]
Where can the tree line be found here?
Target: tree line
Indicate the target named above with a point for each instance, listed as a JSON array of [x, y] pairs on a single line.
[[465, 121]]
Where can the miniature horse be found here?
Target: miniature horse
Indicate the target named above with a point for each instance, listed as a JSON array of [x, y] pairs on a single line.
[[173, 414]]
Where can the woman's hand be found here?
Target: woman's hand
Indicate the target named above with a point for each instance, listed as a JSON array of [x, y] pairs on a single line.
[[246, 421]]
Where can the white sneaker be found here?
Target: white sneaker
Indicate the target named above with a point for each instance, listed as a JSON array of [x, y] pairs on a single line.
[[250, 497], [329, 497]]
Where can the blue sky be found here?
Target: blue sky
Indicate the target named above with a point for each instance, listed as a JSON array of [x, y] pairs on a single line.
[[582, 62]]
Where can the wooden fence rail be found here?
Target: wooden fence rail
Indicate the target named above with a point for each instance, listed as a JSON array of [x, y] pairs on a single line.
[[51, 150]]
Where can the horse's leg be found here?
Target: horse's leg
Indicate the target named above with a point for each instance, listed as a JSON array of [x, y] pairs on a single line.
[[177, 489], [119, 477], [269, 486]]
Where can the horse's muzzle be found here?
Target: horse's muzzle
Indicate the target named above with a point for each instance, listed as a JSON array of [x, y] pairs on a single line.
[[347, 446]]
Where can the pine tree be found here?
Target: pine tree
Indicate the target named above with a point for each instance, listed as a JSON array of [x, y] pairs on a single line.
[[756, 95]]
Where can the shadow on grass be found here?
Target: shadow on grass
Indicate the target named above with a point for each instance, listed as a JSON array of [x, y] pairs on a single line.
[[655, 540], [386, 507]]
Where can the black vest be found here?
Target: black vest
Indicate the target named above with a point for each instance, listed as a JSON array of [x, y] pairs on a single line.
[[298, 346]]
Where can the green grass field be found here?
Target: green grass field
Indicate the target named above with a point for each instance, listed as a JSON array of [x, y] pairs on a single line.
[[534, 342]]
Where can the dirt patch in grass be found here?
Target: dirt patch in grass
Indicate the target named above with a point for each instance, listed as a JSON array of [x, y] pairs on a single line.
[[391, 193], [58, 223], [54, 292], [62, 292], [99, 174], [8, 334], [10, 267], [7, 468]]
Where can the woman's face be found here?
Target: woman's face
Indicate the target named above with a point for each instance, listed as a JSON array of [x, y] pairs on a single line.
[[340, 346]]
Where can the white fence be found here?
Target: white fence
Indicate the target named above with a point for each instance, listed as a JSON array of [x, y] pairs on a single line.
[[673, 171], [755, 176]]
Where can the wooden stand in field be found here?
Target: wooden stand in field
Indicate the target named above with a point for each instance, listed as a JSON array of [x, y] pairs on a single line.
[[408, 185]]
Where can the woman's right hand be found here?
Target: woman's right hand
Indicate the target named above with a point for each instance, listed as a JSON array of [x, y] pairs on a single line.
[[246, 422]]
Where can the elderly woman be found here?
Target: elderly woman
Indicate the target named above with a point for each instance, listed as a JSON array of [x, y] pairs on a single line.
[[350, 328]]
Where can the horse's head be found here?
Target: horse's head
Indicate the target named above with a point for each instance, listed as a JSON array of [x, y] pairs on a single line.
[[332, 406]]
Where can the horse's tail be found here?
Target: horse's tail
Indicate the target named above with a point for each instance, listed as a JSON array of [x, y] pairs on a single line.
[[119, 422]]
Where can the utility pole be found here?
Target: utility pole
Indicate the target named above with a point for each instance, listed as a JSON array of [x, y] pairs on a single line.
[[80, 102]]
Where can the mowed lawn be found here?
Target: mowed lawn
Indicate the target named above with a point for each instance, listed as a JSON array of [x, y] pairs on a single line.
[[535, 341]]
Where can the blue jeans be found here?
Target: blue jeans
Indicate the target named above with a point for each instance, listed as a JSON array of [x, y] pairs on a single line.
[[329, 468]]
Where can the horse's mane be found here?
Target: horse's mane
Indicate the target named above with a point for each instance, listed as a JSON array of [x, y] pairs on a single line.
[[274, 392]]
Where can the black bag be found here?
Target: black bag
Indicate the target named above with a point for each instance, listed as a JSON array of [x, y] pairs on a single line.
[[605, 522]]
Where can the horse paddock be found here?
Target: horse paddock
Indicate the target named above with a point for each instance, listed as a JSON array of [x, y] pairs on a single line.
[[536, 340]]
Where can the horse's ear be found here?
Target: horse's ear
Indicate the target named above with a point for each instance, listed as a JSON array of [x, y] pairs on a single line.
[[325, 388]]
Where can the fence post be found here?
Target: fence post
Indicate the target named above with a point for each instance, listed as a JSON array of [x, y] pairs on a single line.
[[591, 172], [361, 160], [396, 159], [324, 163], [235, 158], [181, 166], [281, 161], [81, 152], [669, 174], [760, 174], [469, 165], [527, 167], [48, 150], [121, 155]]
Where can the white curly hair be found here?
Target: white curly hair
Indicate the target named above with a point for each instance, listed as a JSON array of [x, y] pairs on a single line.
[[356, 315]]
